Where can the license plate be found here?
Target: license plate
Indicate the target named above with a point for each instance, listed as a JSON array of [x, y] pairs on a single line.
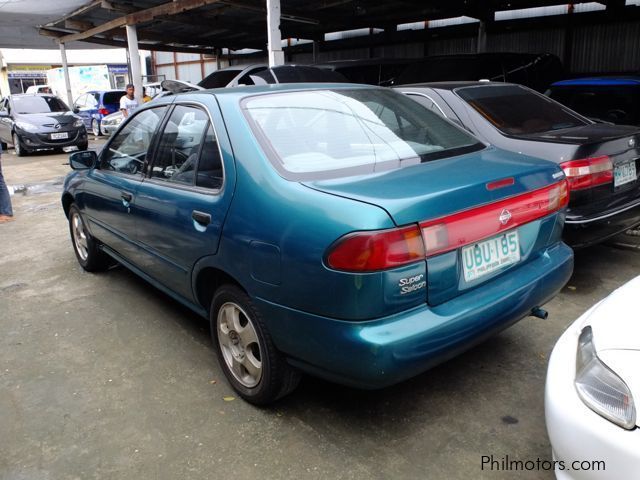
[[59, 136], [624, 174], [490, 255]]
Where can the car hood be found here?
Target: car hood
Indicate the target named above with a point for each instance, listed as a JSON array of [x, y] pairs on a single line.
[[615, 320], [46, 119], [585, 134]]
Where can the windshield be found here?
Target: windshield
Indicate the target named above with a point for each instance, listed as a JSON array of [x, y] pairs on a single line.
[[37, 104], [332, 133], [113, 98], [516, 110]]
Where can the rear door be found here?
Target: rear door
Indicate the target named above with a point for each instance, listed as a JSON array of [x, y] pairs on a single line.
[[181, 205]]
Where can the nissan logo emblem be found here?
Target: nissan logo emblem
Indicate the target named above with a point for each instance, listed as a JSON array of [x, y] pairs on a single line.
[[505, 216], [57, 126]]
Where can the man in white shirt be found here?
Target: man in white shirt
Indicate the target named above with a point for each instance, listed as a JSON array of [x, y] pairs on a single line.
[[128, 102]]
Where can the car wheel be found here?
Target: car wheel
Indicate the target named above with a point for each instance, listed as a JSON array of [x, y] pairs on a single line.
[[250, 361], [95, 127], [83, 146], [90, 257], [17, 146]]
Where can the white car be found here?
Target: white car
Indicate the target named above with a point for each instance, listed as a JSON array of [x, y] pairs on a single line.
[[593, 391]]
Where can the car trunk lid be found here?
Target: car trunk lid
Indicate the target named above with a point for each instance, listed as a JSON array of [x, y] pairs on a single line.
[[463, 193]]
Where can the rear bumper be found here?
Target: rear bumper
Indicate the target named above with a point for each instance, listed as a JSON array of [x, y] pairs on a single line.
[[583, 232], [381, 352]]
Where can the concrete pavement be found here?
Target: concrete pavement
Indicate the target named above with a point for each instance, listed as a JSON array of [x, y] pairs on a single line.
[[102, 376]]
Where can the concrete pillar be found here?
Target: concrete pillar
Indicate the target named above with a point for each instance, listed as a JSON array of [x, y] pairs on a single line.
[[65, 70], [274, 36], [134, 58], [482, 37]]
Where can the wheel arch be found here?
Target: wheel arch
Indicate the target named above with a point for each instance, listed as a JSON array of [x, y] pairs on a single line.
[[208, 280], [67, 201]]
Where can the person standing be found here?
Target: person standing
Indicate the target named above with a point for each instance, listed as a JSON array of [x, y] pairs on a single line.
[[128, 102], [6, 212]]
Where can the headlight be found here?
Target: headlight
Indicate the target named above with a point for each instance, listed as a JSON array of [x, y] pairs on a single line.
[[26, 126], [599, 387], [78, 123]]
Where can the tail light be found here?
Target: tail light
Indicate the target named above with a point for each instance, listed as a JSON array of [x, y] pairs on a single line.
[[103, 111], [377, 250], [371, 251], [470, 226], [589, 172]]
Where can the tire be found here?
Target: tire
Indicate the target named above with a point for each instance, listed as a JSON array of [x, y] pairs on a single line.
[[83, 146], [89, 256], [95, 128], [241, 339], [18, 147]]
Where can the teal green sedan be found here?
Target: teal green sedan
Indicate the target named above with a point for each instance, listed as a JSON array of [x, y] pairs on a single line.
[[339, 230]]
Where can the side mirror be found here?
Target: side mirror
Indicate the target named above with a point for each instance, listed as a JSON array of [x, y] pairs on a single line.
[[76, 109], [83, 160]]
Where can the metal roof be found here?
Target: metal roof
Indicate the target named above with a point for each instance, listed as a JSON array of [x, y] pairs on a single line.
[[200, 26]]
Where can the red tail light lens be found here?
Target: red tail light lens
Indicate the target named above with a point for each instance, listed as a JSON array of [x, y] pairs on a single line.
[[103, 111], [377, 250], [470, 226], [589, 172]]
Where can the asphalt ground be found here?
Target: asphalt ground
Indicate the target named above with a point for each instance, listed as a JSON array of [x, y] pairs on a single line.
[[102, 376]]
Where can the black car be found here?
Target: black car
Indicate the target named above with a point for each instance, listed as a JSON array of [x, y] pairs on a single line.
[[33, 122], [599, 160], [373, 71], [296, 74], [535, 70]]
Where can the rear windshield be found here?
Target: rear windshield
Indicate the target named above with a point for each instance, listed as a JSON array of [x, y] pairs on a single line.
[[36, 104], [516, 110], [617, 104], [219, 79], [331, 133], [112, 98]]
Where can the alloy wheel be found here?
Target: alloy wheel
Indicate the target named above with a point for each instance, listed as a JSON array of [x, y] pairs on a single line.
[[79, 237], [239, 344]]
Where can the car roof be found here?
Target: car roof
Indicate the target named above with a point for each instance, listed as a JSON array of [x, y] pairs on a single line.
[[598, 81], [452, 85], [248, 91]]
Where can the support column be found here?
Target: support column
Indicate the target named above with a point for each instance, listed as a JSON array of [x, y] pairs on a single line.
[[134, 58], [482, 37], [274, 36], [65, 70]]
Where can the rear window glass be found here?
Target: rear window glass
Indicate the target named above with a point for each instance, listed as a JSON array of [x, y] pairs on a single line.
[[219, 79], [331, 133], [110, 98], [516, 110], [616, 104]]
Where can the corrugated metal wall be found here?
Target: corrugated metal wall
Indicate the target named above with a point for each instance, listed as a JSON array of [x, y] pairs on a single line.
[[606, 48], [598, 48]]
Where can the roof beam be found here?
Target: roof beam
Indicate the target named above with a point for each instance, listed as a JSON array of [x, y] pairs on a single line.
[[142, 16], [77, 11]]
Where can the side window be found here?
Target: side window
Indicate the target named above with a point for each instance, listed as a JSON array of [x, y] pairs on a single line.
[[127, 152], [80, 101], [180, 144], [92, 102], [210, 172], [427, 102]]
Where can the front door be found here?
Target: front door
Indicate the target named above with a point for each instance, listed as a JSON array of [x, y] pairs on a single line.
[[181, 205], [110, 200]]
